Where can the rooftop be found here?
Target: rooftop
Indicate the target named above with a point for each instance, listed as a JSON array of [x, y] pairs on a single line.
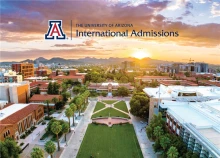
[[10, 110], [200, 118], [43, 97], [17, 113], [175, 92]]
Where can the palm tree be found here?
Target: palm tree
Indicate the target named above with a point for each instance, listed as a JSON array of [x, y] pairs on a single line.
[[47, 102], [79, 104], [65, 129], [55, 100], [56, 129], [158, 131], [164, 142], [68, 114], [172, 152], [73, 107], [50, 148], [37, 153]]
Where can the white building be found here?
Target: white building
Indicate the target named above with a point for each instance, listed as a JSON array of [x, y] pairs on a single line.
[[179, 93], [15, 92], [198, 123]]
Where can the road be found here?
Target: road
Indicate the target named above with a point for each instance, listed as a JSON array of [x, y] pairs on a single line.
[[75, 140], [145, 143]]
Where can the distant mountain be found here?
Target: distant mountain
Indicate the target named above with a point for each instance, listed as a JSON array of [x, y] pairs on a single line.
[[90, 60], [40, 59]]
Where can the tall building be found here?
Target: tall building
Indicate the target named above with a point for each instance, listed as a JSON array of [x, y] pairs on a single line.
[[26, 69], [128, 65]]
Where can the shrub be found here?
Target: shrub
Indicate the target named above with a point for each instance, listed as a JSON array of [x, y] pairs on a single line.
[[48, 118], [21, 143], [22, 136], [43, 123]]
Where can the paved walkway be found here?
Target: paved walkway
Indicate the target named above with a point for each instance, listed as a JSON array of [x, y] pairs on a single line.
[[75, 140], [145, 143]]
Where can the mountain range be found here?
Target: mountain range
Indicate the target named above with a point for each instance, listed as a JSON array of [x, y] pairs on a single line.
[[88, 60]]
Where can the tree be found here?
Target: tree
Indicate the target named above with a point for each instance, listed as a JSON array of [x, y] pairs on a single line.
[[56, 129], [55, 100], [73, 107], [79, 104], [65, 129], [104, 94], [48, 109], [50, 88], [156, 121], [123, 91], [37, 90], [65, 96], [68, 114], [172, 152], [50, 148], [4, 150], [140, 105], [11, 148], [164, 142], [124, 79], [76, 89], [37, 153], [158, 131]]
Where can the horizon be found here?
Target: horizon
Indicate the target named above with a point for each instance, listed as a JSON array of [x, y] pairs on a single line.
[[24, 24], [185, 60]]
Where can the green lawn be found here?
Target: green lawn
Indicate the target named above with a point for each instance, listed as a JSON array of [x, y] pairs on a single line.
[[101, 141], [122, 106], [109, 101], [99, 106], [113, 112]]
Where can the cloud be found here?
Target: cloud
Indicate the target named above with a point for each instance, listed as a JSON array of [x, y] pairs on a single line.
[[215, 9], [189, 5], [64, 53], [187, 13], [85, 43], [26, 21]]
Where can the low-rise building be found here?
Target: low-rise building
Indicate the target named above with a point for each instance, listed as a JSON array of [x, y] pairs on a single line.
[[151, 78], [10, 77], [108, 86], [73, 75], [177, 82], [41, 98], [18, 118]]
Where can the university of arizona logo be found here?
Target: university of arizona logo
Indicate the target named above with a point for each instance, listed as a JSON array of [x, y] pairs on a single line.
[[55, 30]]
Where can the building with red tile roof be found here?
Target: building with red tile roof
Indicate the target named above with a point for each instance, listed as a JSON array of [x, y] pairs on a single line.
[[18, 118], [151, 78], [73, 75], [41, 98]]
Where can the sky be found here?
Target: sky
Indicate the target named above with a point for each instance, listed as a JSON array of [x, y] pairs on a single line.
[[23, 25]]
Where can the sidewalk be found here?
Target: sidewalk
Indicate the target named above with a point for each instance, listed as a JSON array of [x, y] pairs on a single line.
[[75, 140], [145, 143]]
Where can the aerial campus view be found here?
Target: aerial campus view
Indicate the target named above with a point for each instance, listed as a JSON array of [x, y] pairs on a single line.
[[110, 79]]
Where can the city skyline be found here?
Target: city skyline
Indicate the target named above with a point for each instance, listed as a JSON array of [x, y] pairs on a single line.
[[24, 24]]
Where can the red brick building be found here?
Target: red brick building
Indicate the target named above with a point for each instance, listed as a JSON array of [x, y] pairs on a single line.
[[18, 118], [41, 98]]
